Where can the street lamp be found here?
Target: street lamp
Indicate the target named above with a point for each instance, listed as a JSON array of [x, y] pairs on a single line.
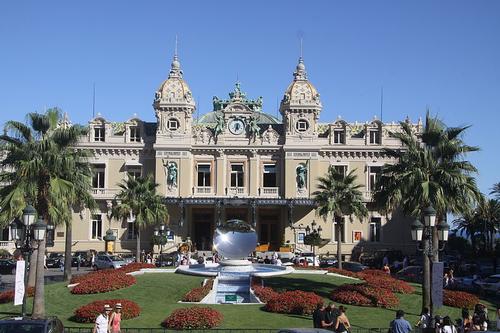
[[313, 238], [22, 233], [160, 238]]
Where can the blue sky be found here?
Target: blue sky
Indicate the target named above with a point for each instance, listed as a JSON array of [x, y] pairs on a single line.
[[444, 55]]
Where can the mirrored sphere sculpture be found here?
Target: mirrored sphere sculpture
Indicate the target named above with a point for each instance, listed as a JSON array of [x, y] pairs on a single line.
[[235, 239]]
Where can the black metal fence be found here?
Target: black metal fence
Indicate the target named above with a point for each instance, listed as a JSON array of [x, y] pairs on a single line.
[[222, 330]]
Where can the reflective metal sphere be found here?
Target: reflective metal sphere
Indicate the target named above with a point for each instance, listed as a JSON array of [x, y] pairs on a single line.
[[235, 239]]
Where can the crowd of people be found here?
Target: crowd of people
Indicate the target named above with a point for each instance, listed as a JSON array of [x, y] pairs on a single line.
[[108, 321], [331, 318]]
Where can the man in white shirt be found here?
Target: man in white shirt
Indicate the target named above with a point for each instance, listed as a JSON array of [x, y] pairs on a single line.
[[101, 322]]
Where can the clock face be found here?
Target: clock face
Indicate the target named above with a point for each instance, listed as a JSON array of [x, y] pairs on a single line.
[[237, 126]]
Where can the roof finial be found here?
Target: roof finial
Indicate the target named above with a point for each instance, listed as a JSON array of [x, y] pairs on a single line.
[[175, 54], [300, 72], [175, 68], [301, 47]]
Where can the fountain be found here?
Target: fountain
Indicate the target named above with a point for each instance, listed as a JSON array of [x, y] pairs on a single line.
[[233, 241]]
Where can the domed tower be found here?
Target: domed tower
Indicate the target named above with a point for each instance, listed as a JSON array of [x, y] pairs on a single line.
[[300, 106], [174, 106]]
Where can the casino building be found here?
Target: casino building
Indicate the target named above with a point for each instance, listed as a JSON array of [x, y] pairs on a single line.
[[237, 162]]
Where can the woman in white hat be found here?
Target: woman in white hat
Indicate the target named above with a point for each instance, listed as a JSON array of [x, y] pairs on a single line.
[[115, 319], [101, 322]]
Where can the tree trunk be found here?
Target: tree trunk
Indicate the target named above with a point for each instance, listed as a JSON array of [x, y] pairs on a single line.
[[39, 299], [435, 244], [138, 246], [67, 251], [32, 266], [339, 241]]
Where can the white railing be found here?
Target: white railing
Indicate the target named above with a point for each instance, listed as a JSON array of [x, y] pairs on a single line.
[[239, 191], [203, 190], [271, 192], [105, 192]]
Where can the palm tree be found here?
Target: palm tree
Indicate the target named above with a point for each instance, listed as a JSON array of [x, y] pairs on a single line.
[[430, 170], [137, 199], [38, 169], [467, 224], [338, 196], [496, 190]]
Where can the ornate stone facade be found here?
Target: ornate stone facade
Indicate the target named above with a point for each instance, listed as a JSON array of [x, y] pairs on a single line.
[[237, 162]]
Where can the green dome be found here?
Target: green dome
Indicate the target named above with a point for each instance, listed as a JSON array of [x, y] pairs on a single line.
[[262, 118]]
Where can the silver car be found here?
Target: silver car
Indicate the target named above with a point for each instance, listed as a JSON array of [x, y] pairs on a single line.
[[105, 261]]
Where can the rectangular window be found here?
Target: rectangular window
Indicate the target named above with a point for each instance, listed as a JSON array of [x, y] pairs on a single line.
[[339, 136], [237, 175], [134, 172], [342, 169], [375, 224], [99, 134], [135, 134], [96, 226], [98, 178], [374, 137], [131, 234], [269, 177], [173, 124], [373, 175], [300, 237], [204, 175], [342, 231]]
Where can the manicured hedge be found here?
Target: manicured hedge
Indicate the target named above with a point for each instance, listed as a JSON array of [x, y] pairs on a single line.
[[294, 302], [135, 266], [193, 318], [342, 272], [364, 294], [8, 296], [390, 283], [103, 281], [197, 294], [459, 299], [88, 313]]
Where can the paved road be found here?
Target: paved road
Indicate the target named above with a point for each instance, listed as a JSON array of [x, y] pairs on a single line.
[[51, 275]]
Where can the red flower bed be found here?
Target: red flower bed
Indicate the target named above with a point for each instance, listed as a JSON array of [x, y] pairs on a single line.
[[294, 302], [364, 295], [193, 318], [459, 299], [372, 272], [90, 275], [264, 293], [103, 282], [197, 294], [135, 266], [342, 272], [8, 296], [390, 283], [88, 313]]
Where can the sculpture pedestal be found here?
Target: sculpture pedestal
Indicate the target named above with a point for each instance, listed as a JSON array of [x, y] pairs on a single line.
[[235, 262]]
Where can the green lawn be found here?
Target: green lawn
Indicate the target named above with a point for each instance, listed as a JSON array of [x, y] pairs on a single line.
[[157, 294]]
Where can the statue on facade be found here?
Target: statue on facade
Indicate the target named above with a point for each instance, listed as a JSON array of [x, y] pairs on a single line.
[[219, 124], [301, 176], [253, 127], [172, 174]]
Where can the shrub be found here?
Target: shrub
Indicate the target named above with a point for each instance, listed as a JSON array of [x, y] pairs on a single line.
[[372, 272], [135, 266], [364, 295], [264, 293], [342, 272], [390, 283], [193, 318], [88, 313], [104, 281], [459, 299], [8, 296], [197, 294], [294, 302]]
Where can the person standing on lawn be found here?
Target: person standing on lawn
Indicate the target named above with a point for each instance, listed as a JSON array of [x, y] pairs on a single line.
[[342, 324], [400, 324], [319, 315], [115, 319], [101, 322], [331, 314]]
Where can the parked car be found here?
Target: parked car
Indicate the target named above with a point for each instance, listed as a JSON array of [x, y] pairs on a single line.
[[374, 259], [411, 274], [84, 259], [54, 260], [328, 262], [29, 325], [128, 257], [166, 259], [352, 266], [108, 261], [7, 266], [306, 256], [489, 285]]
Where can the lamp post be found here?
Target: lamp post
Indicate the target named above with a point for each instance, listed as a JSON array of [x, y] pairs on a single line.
[[160, 238], [313, 237], [23, 233], [422, 234]]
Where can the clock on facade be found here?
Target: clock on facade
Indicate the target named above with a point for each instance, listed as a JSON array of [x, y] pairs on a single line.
[[237, 126]]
